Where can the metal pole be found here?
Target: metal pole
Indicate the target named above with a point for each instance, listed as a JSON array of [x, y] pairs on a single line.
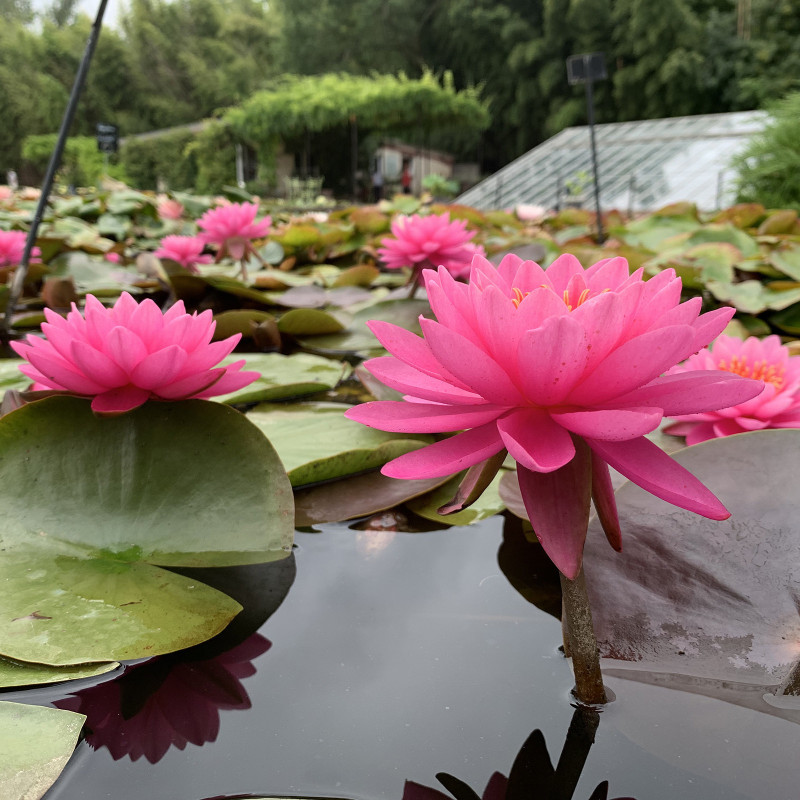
[[55, 160], [590, 111]]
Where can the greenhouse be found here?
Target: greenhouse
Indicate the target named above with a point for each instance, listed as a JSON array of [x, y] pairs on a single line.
[[642, 165]]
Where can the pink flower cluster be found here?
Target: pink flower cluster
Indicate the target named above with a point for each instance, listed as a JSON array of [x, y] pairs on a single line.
[[562, 368], [12, 245], [232, 228], [429, 241], [131, 353], [777, 406]]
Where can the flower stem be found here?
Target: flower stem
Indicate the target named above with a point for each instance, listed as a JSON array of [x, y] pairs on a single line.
[[582, 642]]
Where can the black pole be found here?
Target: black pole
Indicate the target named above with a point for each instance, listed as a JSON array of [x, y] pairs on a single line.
[[55, 160], [590, 112]]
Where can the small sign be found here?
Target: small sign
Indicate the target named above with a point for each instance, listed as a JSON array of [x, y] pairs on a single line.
[[107, 137], [586, 67]]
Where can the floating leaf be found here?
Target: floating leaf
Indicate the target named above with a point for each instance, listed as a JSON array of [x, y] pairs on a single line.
[[24, 673], [487, 505], [693, 597], [191, 483], [243, 321], [11, 377], [787, 261], [357, 496], [36, 743], [317, 443], [285, 376], [778, 222], [309, 322], [359, 338]]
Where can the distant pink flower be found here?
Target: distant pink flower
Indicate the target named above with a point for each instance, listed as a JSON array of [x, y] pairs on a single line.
[[431, 241], [12, 245], [562, 369], [530, 213], [184, 250], [131, 353], [170, 209], [232, 228], [6, 193], [778, 405], [114, 258]]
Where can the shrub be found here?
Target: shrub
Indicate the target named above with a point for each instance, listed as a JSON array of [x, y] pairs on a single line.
[[769, 167]]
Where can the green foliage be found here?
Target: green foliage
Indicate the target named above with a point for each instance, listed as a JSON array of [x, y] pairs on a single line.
[[389, 103], [81, 163], [213, 151], [769, 168], [165, 157]]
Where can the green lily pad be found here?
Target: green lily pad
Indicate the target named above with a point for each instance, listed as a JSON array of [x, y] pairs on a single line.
[[11, 377], [167, 483], [309, 322], [359, 338], [36, 743], [487, 505], [24, 673], [286, 376], [787, 261], [317, 443], [91, 503]]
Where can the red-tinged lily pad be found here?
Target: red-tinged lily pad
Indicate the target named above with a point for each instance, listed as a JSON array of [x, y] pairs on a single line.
[[717, 601], [357, 496], [36, 742]]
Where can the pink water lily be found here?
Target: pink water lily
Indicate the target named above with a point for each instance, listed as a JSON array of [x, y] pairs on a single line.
[[777, 406], [564, 369], [233, 227], [12, 245], [184, 250], [170, 209], [429, 241], [123, 356]]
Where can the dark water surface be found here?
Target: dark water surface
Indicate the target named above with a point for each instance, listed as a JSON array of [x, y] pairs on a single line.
[[394, 657]]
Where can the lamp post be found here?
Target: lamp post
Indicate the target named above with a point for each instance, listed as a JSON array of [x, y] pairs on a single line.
[[587, 68]]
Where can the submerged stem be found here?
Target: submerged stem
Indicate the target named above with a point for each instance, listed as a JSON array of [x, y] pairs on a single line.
[[582, 642]]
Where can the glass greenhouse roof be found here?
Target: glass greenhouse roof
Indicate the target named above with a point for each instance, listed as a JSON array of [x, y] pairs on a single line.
[[642, 165]]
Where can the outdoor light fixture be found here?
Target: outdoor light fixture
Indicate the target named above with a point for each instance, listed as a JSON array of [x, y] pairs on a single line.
[[587, 68]]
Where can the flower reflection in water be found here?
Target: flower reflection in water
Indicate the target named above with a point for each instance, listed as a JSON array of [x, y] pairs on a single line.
[[532, 775], [166, 703]]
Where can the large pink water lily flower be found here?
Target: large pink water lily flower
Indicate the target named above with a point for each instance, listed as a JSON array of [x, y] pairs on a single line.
[[232, 228], [131, 353], [563, 368], [184, 250], [12, 245], [778, 405], [429, 241]]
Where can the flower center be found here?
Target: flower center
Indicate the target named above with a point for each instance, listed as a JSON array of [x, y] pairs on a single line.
[[570, 302], [760, 370]]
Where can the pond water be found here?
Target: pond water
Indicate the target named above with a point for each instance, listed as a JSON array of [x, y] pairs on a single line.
[[388, 658]]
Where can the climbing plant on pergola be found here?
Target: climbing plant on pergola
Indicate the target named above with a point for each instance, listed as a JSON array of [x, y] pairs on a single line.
[[296, 106]]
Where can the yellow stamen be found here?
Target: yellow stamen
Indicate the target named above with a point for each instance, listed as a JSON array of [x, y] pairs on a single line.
[[760, 370]]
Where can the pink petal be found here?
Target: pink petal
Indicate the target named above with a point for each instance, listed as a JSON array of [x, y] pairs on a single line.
[[233, 379], [194, 386], [710, 325], [119, 400], [558, 508], [535, 441], [147, 320], [59, 375], [412, 350], [159, 368], [402, 417], [471, 365], [562, 269], [604, 502], [648, 466], [633, 364], [448, 456], [602, 319], [692, 392], [98, 366], [617, 425], [552, 359], [125, 347], [397, 375]]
